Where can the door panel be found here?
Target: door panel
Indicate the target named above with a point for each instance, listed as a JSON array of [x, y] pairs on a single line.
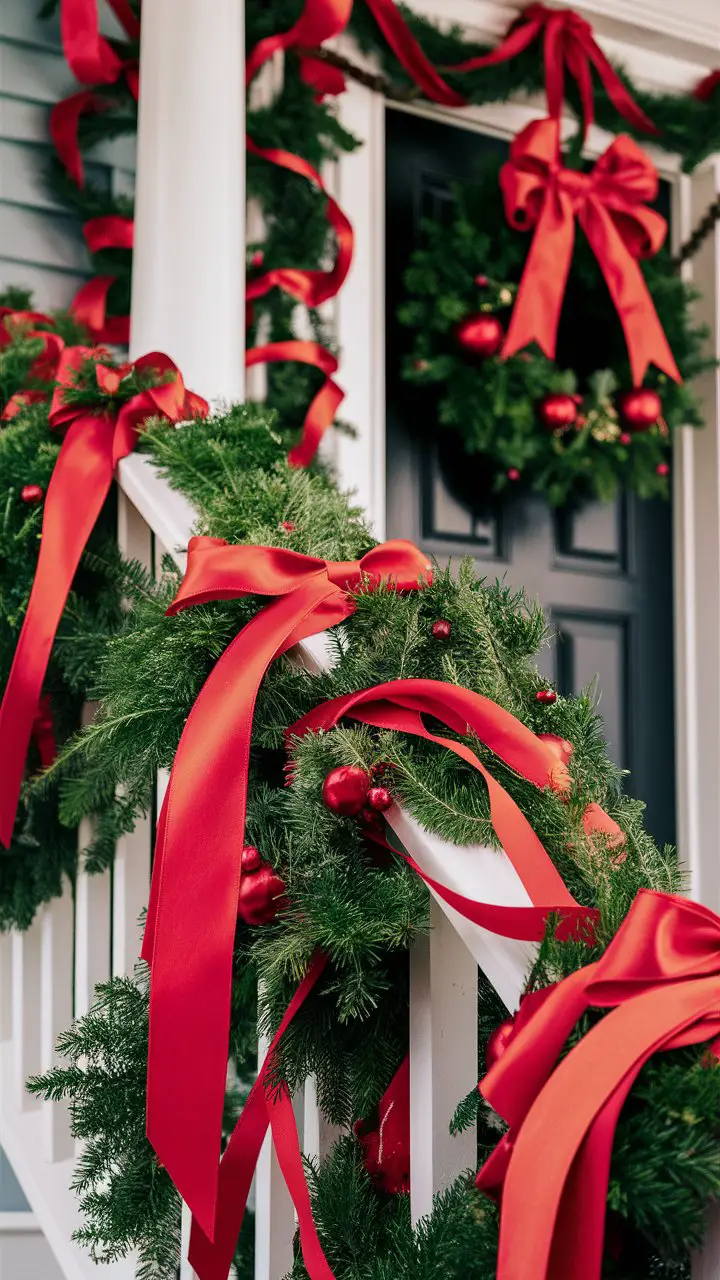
[[603, 573]]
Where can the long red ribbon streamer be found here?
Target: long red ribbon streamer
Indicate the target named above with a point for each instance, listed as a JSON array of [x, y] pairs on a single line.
[[609, 205], [196, 875], [93, 444], [660, 976]]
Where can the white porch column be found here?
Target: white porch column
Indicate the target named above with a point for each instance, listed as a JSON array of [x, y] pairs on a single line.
[[188, 294]]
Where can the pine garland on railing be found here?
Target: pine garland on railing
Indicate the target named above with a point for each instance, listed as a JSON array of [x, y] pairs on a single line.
[[348, 898]]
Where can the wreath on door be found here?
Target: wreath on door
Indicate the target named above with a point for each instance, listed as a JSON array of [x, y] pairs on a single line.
[[589, 419]]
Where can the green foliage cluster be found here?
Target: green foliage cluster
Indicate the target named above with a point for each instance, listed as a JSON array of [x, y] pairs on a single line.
[[493, 404], [362, 906], [43, 850]]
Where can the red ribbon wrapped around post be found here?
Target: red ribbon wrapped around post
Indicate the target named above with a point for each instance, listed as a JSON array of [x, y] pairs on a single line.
[[609, 205], [95, 440], [196, 875], [568, 42], [399, 705], [660, 976]]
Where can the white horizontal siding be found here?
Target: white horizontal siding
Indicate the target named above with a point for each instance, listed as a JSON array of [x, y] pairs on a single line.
[[41, 246]]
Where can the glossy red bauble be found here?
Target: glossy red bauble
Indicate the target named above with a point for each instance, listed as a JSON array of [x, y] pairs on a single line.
[[513, 473], [546, 696], [557, 411], [663, 468], [441, 629], [345, 790], [379, 799], [640, 408], [482, 334], [262, 892], [31, 493]]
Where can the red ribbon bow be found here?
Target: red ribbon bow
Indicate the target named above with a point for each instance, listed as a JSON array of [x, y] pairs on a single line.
[[95, 440], [568, 42], [196, 876], [608, 204], [660, 976]]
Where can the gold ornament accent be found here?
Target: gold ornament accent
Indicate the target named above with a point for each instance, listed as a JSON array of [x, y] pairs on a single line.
[[603, 423]]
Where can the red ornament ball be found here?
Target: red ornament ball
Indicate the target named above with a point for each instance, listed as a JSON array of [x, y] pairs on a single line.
[[32, 493], [345, 790], [287, 525], [262, 892], [481, 334], [257, 259], [546, 697], [441, 629], [557, 411], [512, 473], [379, 798], [663, 468], [640, 408], [482, 282], [625, 437]]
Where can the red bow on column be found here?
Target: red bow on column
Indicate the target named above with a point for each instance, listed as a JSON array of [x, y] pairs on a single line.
[[569, 42], [95, 440], [608, 204], [660, 976], [196, 875]]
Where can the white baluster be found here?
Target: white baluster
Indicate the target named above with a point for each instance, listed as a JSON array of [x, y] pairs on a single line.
[[319, 1136], [27, 1054], [6, 1027], [56, 986], [443, 1058], [92, 932]]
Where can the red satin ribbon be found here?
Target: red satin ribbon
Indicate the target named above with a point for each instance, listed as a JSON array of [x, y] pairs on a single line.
[[325, 80], [19, 401], [568, 42], [705, 89], [89, 56], [93, 443], [309, 287], [17, 324], [212, 1260], [43, 732], [110, 232], [323, 407], [196, 875], [400, 705], [410, 55], [660, 976], [89, 307], [608, 204]]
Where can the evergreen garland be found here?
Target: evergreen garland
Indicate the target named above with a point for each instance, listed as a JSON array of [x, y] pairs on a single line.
[[363, 910], [43, 850], [472, 265]]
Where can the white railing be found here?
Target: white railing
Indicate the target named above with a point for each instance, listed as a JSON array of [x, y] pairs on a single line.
[[47, 975]]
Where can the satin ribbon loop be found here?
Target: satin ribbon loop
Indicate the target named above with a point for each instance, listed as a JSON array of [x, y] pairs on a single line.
[[401, 705], [608, 203], [659, 978], [94, 440], [196, 874]]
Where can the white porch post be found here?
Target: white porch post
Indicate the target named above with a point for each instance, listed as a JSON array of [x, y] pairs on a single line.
[[188, 294]]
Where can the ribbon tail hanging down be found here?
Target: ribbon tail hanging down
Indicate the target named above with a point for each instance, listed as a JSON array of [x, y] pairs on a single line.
[[196, 883], [84, 468], [321, 412]]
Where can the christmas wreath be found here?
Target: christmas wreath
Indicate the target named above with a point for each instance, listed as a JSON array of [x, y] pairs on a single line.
[[570, 427]]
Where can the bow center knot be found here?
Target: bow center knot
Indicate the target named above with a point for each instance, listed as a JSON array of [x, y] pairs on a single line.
[[349, 574], [575, 184]]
